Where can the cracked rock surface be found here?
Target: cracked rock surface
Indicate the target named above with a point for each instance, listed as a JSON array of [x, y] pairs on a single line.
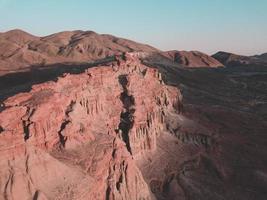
[[75, 138]]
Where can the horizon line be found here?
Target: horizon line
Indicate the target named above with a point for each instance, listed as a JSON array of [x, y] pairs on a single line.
[[122, 37]]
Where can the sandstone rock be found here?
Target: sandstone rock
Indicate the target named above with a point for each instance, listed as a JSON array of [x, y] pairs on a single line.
[[81, 131]]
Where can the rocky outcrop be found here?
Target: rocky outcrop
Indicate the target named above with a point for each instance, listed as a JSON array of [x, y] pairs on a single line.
[[82, 131]]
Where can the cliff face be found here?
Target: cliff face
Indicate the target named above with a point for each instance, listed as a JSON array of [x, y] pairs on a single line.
[[76, 137]]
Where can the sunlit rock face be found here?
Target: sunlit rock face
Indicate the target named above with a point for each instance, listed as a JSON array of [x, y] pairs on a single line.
[[76, 137]]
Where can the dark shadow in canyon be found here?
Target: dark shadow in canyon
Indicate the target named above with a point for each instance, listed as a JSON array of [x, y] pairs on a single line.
[[240, 88], [14, 83], [127, 119]]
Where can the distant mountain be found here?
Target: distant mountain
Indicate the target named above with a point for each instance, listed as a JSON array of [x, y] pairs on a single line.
[[19, 49], [230, 59], [192, 59], [262, 56]]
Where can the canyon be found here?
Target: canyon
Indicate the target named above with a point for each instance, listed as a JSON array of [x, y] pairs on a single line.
[[130, 123]]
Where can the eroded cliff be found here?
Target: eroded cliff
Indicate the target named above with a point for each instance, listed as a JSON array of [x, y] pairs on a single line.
[[77, 137]]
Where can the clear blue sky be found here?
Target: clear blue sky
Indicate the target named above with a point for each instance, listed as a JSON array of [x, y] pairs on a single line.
[[238, 26]]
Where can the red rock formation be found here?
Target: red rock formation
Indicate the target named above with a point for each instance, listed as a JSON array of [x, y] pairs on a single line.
[[80, 131]]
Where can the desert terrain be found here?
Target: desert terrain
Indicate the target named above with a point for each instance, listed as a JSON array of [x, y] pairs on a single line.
[[94, 116]]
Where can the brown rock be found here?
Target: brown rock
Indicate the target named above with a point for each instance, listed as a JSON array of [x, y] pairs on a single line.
[[192, 59], [21, 51], [230, 59]]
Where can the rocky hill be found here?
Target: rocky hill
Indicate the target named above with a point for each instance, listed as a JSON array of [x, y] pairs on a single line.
[[192, 59], [20, 50], [230, 59]]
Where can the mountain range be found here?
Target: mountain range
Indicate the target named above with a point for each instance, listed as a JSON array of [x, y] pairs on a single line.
[[20, 50]]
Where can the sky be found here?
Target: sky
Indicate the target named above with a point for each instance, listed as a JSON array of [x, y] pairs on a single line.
[[238, 26]]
